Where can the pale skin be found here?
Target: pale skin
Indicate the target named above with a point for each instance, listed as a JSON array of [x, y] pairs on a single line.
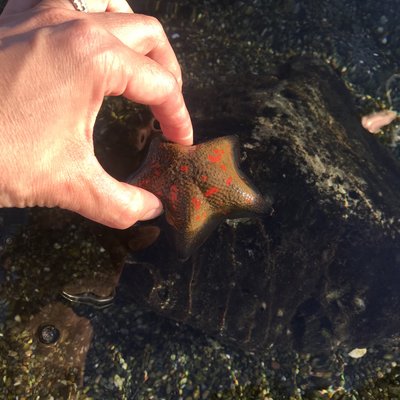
[[56, 66]]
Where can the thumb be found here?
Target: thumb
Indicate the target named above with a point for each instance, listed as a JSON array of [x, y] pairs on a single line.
[[103, 199]]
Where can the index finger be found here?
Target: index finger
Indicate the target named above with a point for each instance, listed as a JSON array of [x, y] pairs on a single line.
[[143, 80]]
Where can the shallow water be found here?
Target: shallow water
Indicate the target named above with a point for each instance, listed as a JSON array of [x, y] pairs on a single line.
[[72, 322]]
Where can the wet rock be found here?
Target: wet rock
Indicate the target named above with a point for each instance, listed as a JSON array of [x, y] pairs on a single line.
[[45, 354], [43, 341], [322, 271]]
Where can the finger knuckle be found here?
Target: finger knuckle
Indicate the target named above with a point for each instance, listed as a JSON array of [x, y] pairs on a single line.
[[50, 16], [83, 36], [75, 36], [93, 46], [171, 85], [156, 27]]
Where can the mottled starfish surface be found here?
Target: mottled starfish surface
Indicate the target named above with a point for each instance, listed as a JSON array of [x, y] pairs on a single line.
[[199, 186]]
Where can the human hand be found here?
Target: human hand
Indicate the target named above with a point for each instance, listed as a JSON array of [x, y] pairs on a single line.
[[57, 65]]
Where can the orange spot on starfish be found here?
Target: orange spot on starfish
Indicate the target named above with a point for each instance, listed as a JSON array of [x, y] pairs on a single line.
[[184, 168], [201, 217], [214, 159], [196, 203], [217, 156], [211, 191], [173, 194]]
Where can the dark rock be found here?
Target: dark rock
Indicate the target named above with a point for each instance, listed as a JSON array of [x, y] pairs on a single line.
[[323, 270]]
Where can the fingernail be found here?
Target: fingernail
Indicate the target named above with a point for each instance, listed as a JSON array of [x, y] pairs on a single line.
[[187, 140], [153, 213]]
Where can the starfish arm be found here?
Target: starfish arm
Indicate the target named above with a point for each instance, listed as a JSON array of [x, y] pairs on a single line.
[[188, 241]]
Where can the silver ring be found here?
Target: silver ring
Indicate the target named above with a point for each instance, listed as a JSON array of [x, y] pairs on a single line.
[[79, 5]]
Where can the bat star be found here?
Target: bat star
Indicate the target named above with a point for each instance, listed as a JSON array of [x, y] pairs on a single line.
[[199, 187]]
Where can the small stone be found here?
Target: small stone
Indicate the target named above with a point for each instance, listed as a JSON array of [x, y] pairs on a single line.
[[358, 353], [118, 382]]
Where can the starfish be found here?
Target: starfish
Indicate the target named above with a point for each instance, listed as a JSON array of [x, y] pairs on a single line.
[[199, 187]]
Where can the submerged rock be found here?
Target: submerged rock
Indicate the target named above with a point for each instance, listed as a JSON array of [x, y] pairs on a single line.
[[45, 354], [322, 271]]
